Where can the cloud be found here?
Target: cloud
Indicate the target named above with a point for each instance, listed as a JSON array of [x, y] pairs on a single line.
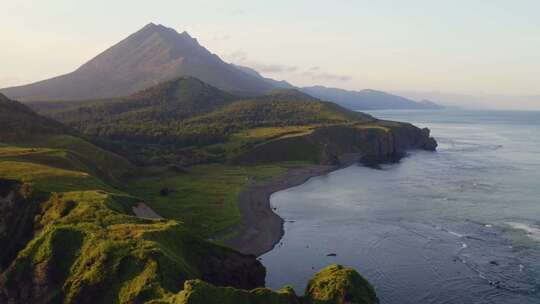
[[231, 11], [273, 68], [220, 37], [315, 74], [238, 57], [237, 12], [8, 81]]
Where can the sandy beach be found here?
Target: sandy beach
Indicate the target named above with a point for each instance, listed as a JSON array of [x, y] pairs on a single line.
[[261, 229]]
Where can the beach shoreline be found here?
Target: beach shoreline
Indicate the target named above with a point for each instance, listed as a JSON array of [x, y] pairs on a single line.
[[261, 228]]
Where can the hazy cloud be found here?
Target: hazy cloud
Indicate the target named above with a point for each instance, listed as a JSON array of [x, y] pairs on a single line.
[[10, 81], [316, 74], [220, 37], [273, 68], [238, 57], [237, 12]]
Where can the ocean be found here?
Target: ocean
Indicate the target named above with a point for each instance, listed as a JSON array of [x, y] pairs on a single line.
[[461, 225]]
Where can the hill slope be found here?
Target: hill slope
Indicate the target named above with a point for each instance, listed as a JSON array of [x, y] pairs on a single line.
[[366, 99], [178, 119], [152, 55], [18, 121]]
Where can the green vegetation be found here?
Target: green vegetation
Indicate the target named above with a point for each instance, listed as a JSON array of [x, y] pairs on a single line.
[[17, 121], [85, 252], [81, 244], [338, 284], [187, 122], [334, 284], [200, 292], [206, 198]]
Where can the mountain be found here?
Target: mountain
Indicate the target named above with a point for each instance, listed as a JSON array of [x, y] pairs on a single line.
[[367, 99], [152, 55]]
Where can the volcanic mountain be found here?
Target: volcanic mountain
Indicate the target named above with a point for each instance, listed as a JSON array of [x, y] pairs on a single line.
[[150, 56]]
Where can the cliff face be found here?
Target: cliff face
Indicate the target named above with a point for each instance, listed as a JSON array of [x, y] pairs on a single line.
[[386, 141], [17, 213]]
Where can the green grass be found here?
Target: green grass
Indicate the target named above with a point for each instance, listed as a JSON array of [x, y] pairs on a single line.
[[206, 198], [334, 284], [49, 179], [99, 253]]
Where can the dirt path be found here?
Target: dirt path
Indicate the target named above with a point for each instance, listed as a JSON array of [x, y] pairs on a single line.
[[143, 211]]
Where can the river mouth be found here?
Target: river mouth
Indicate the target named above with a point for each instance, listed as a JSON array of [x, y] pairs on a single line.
[[456, 226]]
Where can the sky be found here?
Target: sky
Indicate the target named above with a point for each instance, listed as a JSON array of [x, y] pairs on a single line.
[[489, 50]]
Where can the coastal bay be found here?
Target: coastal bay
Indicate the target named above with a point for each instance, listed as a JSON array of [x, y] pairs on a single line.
[[435, 227]]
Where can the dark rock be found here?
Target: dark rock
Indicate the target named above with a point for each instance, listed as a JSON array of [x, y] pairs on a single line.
[[17, 212], [235, 269], [178, 169], [164, 191]]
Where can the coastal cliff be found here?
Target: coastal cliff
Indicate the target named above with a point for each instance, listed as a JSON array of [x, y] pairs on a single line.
[[386, 141]]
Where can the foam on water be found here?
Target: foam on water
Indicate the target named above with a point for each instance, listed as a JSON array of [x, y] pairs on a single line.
[[532, 231]]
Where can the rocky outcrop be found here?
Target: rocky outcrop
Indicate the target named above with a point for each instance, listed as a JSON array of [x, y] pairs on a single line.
[[333, 285], [233, 269], [337, 284]]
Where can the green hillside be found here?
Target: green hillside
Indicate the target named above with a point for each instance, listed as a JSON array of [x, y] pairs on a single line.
[[69, 234], [18, 121], [187, 122]]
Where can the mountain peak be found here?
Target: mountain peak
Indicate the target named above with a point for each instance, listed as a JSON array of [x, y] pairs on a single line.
[[153, 54], [161, 29]]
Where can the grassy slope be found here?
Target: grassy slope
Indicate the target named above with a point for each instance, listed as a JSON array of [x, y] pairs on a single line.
[[84, 248], [206, 198]]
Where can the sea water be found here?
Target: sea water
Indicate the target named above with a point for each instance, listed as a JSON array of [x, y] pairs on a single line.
[[461, 225]]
